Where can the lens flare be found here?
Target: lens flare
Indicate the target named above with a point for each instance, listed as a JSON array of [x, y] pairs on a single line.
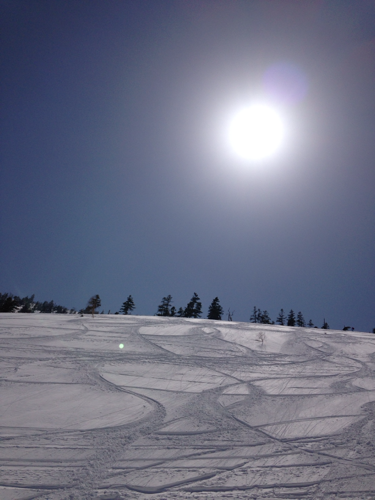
[[285, 83], [121, 346]]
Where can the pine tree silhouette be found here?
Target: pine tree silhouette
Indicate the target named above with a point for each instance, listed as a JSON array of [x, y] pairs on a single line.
[[281, 318], [291, 318], [215, 311], [128, 305], [300, 319], [93, 304], [164, 307], [194, 307]]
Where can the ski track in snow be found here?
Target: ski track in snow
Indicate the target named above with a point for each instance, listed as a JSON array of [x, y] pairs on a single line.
[[188, 409]]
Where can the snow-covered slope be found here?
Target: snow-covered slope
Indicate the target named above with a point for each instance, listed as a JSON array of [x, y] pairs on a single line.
[[186, 409]]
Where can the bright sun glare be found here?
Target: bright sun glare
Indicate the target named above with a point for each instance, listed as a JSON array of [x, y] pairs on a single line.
[[256, 132]]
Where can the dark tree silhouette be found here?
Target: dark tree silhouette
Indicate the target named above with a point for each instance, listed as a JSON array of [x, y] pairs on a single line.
[[281, 318], [300, 319], [215, 311], [230, 315], [47, 307], [325, 325], [291, 318], [180, 313], [164, 308], [93, 305], [7, 303], [194, 307], [62, 309], [128, 306], [265, 318], [26, 308], [256, 315]]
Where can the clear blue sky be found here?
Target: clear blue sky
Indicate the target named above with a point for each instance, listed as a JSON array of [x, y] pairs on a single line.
[[115, 176]]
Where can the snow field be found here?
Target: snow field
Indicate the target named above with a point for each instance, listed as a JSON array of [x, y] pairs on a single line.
[[186, 409]]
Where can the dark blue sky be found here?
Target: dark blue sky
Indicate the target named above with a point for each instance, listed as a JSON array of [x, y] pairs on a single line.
[[116, 178]]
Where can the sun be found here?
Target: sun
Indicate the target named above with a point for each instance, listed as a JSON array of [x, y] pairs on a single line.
[[256, 132]]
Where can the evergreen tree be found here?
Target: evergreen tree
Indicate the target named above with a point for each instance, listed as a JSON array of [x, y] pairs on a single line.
[[310, 324], [300, 319], [194, 307], [265, 318], [7, 303], [27, 304], [215, 311], [128, 305], [180, 313], [281, 318], [173, 311], [3, 298], [93, 304], [62, 309], [164, 307], [325, 325], [26, 308], [291, 318], [254, 315], [10, 305], [47, 307], [42, 306]]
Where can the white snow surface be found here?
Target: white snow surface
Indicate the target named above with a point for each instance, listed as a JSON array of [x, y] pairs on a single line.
[[187, 409]]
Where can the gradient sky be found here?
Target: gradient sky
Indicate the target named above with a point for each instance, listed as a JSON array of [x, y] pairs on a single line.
[[116, 177]]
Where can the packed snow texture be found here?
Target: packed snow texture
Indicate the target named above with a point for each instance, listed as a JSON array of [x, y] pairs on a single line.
[[185, 409]]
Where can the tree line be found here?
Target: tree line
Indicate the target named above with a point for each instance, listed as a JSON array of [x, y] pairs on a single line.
[[13, 303], [193, 309], [291, 319]]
